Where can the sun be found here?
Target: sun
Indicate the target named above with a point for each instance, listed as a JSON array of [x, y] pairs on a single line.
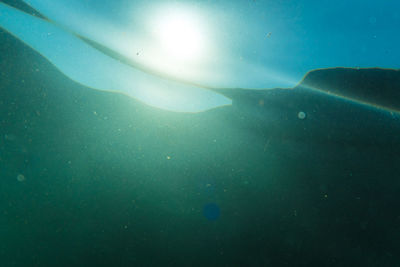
[[180, 36]]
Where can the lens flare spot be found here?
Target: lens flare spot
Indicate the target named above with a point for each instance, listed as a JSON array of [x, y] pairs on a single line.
[[21, 178], [301, 115]]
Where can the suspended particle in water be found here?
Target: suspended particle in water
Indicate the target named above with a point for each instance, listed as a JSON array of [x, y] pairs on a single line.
[[10, 137], [21, 178], [301, 115]]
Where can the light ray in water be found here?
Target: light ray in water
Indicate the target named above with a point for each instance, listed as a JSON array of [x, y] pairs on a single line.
[[88, 66], [354, 100], [369, 104]]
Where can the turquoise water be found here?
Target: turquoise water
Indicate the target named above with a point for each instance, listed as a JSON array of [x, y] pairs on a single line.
[[91, 178]]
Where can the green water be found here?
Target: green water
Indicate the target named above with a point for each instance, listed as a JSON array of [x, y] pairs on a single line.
[[109, 181]]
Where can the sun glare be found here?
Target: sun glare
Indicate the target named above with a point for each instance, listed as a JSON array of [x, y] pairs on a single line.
[[181, 37]]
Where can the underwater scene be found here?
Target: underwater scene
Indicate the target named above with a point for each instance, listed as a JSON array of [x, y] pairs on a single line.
[[199, 133]]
